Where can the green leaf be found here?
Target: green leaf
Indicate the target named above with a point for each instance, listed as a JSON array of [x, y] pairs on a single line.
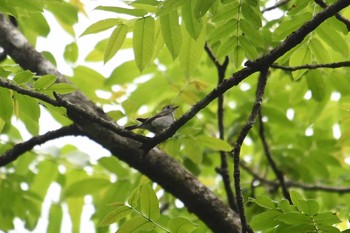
[[225, 12], [181, 225], [309, 207], [171, 32], [6, 101], [45, 81], [317, 84], [191, 53], [301, 56], [201, 7], [62, 88], [124, 73], [86, 186], [149, 202], [249, 50], [251, 14], [47, 173], [23, 76], [327, 218], [101, 26], [290, 25], [193, 25], [333, 38], [265, 201], [28, 106], [120, 10], [227, 48], [294, 218], [55, 218], [319, 52], [112, 217], [252, 33], [295, 196], [114, 166], [223, 31], [115, 42], [134, 197], [213, 143], [143, 41], [264, 220], [136, 224], [71, 52], [167, 6]]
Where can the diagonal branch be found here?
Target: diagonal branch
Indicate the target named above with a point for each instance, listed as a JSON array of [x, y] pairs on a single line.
[[313, 66], [238, 144], [20, 148], [274, 167], [223, 170], [338, 16], [252, 66], [278, 4]]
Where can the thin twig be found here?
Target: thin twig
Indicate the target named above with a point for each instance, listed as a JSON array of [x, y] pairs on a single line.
[[274, 167], [223, 170], [277, 5], [313, 66], [238, 144], [20, 148], [289, 183]]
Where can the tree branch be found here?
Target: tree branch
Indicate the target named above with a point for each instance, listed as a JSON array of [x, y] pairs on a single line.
[[238, 144], [60, 102], [223, 170], [20, 148], [313, 66], [158, 166], [252, 66], [338, 16], [277, 5], [274, 167], [289, 183]]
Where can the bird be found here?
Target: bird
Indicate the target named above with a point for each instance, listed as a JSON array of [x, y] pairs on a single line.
[[157, 123]]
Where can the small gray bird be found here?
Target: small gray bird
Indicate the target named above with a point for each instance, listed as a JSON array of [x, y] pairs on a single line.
[[158, 122]]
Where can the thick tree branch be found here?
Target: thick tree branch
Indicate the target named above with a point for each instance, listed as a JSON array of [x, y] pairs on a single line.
[[20, 148], [223, 170], [238, 144], [274, 167], [252, 66], [158, 166], [313, 66]]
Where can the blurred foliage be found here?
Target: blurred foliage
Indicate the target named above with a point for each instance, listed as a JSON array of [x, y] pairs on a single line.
[[305, 113]]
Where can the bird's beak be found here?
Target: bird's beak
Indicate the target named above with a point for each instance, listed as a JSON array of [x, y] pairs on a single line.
[[175, 107]]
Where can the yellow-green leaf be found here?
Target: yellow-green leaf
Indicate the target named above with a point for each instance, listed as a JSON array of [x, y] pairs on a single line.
[[45, 81], [136, 224], [143, 41], [112, 217], [171, 32], [6, 101], [149, 202], [193, 25], [62, 88], [115, 41], [301, 56], [214, 143], [101, 26], [191, 52]]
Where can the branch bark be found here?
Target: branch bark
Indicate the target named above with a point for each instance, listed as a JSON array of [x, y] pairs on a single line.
[[158, 166]]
